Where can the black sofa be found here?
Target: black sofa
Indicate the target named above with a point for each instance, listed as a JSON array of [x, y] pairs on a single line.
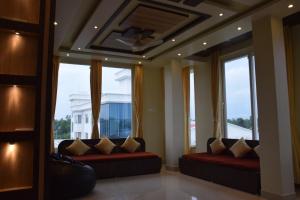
[[225, 169], [119, 163]]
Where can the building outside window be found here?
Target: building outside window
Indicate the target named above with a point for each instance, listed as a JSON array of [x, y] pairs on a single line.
[[192, 110], [240, 104], [73, 99]]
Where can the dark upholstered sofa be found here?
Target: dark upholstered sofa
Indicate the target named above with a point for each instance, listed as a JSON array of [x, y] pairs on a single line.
[[119, 163], [225, 169]]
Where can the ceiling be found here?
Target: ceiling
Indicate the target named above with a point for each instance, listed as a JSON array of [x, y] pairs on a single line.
[[131, 31]]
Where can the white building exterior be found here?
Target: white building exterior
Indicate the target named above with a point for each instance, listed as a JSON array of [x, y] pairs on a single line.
[[81, 117]]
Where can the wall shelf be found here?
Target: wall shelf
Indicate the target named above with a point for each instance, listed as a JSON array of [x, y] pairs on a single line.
[[19, 26], [17, 80], [16, 135]]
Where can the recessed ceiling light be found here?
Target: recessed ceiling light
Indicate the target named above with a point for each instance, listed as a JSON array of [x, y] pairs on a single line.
[[290, 6], [239, 28], [106, 59], [96, 27], [55, 23], [144, 56], [68, 54], [204, 43], [17, 33], [140, 62], [221, 14], [179, 54], [173, 40], [79, 48]]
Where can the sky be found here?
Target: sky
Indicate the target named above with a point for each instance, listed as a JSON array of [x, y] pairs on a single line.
[[74, 79]]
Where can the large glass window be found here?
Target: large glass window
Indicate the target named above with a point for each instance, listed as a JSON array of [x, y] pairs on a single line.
[[192, 110], [116, 107], [73, 103], [73, 116], [240, 98]]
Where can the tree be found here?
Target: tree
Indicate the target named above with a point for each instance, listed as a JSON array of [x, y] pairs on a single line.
[[246, 123], [62, 128]]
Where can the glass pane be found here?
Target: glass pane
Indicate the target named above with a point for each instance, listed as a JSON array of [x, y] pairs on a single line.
[[116, 109], [192, 111], [73, 104], [238, 99], [255, 100]]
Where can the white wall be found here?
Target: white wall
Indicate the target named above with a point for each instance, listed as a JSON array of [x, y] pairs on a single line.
[[203, 103], [153, 110]]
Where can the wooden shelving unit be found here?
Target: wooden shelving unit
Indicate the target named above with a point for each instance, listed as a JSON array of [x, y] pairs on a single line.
[[21, 38]]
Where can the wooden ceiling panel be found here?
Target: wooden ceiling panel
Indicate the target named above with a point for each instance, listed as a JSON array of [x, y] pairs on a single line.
[[156, 19]]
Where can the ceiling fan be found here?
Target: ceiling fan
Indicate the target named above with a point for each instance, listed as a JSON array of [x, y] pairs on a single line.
[[138, 39]]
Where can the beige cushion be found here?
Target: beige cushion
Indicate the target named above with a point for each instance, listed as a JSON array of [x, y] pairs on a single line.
[[105, 146], [131, 145], [217, 146], [78, 147], [257, 150], [240, 148]]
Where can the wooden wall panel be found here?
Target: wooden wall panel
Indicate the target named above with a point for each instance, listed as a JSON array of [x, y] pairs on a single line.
[[17, 107], [18, 53], [21, 10], [16, 167]]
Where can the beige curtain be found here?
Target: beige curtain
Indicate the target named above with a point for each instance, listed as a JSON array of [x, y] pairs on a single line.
[[54, 82], [216, 92], [186, 104], [96, 86], [138, 100], [291, 89]]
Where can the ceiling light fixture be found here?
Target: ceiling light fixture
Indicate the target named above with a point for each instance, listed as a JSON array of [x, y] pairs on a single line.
[[179, 54], [144, 56], [96, 27], [204, 43], [79, 48], [106, 59], [290, 6], [173, 40], [17, 33], [239, 28], [140, 62], [68, 54], [55, 23], [221, 14]]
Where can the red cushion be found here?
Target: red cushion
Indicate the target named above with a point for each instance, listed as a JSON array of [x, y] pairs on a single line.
[[115, 156], [227, 160]]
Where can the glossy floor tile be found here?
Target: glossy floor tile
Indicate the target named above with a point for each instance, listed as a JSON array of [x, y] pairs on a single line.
[[164, 186]]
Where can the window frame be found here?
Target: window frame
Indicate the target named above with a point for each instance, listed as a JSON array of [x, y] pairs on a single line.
[[254, 114]]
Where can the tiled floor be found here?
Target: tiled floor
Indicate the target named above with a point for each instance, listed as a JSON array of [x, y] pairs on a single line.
[[164, 186]]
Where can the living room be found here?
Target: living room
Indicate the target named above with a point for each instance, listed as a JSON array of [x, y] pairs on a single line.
[[192, 99]]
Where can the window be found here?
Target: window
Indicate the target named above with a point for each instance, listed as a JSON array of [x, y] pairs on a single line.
[[240, 98], [86, 119], [73, 98], [192, 111], [116, 108]]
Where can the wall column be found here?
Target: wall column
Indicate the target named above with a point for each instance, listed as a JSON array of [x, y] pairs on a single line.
[[203, 105], [174, 126], [277, 181]]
